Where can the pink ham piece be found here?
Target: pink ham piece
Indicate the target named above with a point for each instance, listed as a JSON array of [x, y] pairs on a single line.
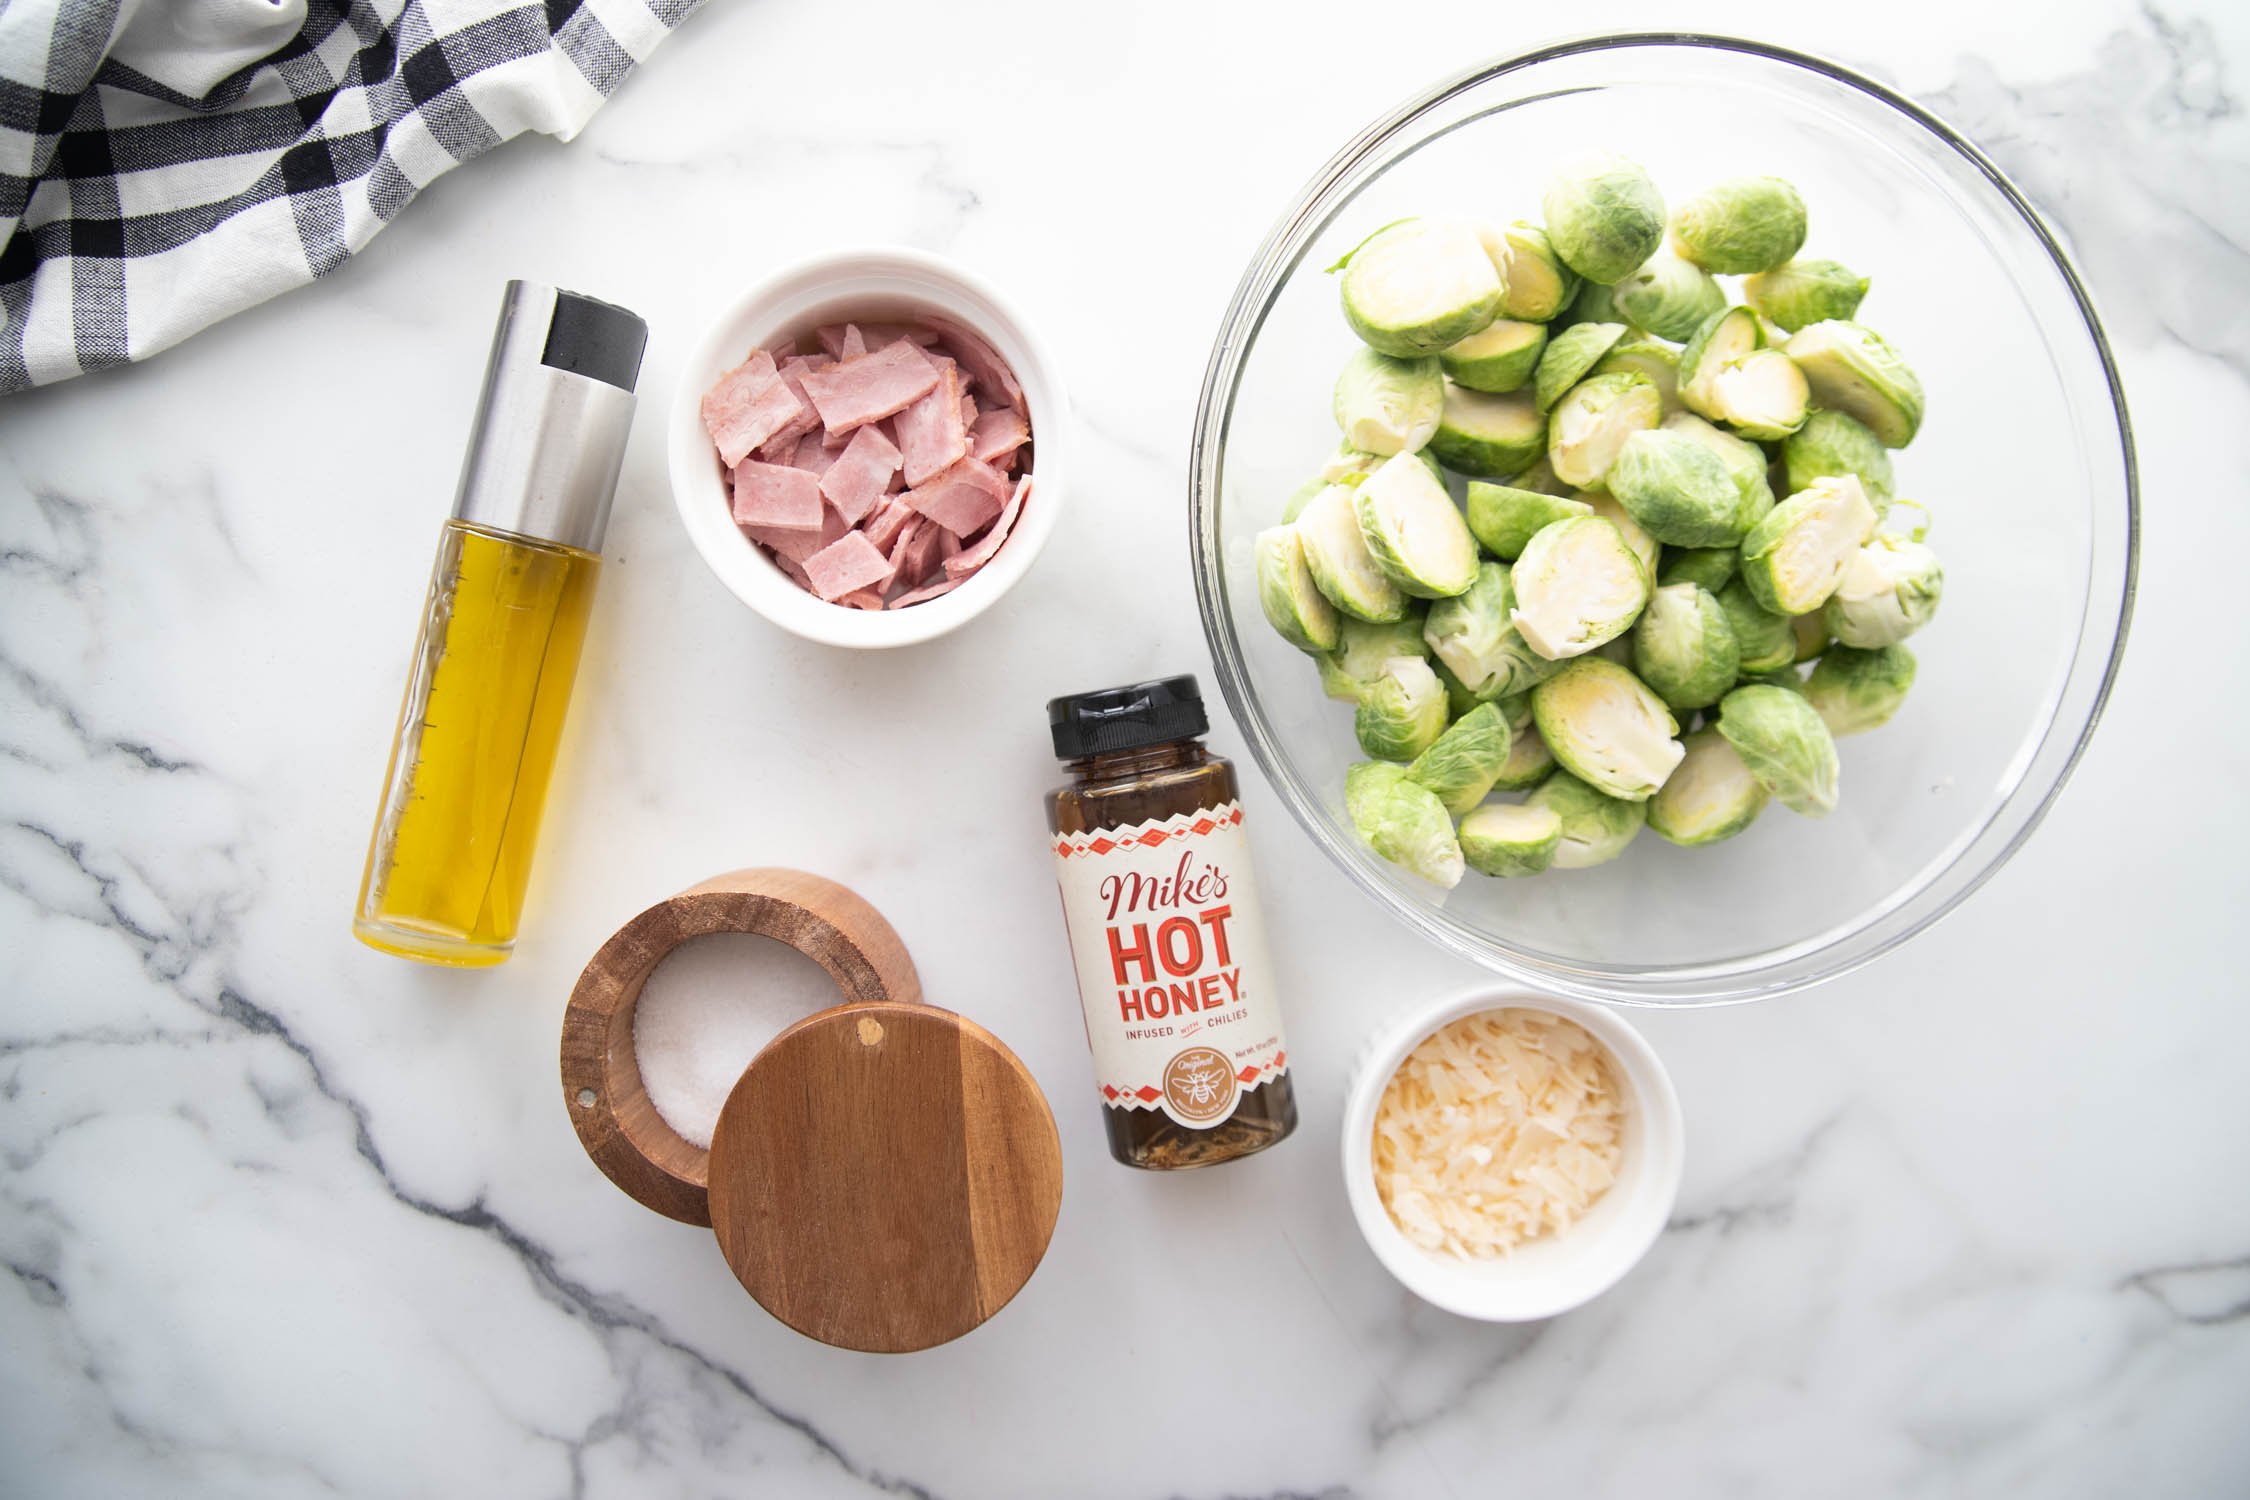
[[847, 566], [964, 499], [888, 519], [998, 434], [797, 543], [926, 592], [855, 342], [775, 495], [813, 453], [983, 361], [861, 474], [831, 336], [968, 412], [930, 436], [915, 555], [749, 405], [977, 556], [870, 599], [855, 392]]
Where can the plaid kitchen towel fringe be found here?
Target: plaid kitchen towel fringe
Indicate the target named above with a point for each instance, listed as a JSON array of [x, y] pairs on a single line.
[[167, 163]]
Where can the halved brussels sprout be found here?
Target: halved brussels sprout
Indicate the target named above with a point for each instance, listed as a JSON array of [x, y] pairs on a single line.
[[1593, 420], [1539, 479], [1745, 460], [1498, 359], [1301, 497], [1402, 712], [1511, 838], [1504, 518], [1711, 796], [1764, 639], [1570, 356], [1762, 395], [1596, 827], [1742, 225], [1852, 370], [1577, 585], [1785, 745], [1458, 699], [1726, 338], [1489, 437], [1805, 292], [1684, 649], [1793, 559], [1475, 636], [1529, 760], [1678, 489], [1403, 822], [1668, 296], [1349, 465], [1293, 603], [1604, 216], [1462, 765], [1415, 286], [1414, 531], [1889, 590], [1538, 284], [1709, 568], [1812, 635], [1606, 728], [1341, 564], [1854, 691], [1645, 547], [1832, 443], [1387, 405], [1659, 362], [1362, 648]]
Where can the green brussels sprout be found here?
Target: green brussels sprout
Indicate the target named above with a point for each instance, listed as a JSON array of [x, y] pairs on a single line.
[[1349, 465], [1301, 497], [1489, 437], [1783, 676], [1403, 822], [1745, 461], [1889, 590], [1529, 760], [1415, 286], [1593, 304], [1386, 405], [1831, 443], [1619, 651], [1854, 691], [1604, 217], [1606, 728], [1711, 796], [1645, 547], [1763, 395], [1812, 635], [1764, 639], [1362, 648], [1785, 745], [1570, 356], [1668, 296], [1293, 603], [1805, 292], [1577, 585], [1461, 765], [1538, 285], [1596, 827], [1793, 559], [1593, 419], [1658, 362], [1504, 518], [1402, 711], [1742, 225], [1726, 339], [1475, 636], [1539, 479], [1852, 370], [1497, 360], [1709, 568], [1511, 838], [1413, 530], [1341, 565], [1684, 649], [1678, 490], [1458, 699]]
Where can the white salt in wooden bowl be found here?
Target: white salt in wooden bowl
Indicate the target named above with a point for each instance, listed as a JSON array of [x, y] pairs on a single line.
[[880, 284]]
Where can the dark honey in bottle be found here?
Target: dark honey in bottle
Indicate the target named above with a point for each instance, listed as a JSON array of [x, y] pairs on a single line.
[[1165, 932]]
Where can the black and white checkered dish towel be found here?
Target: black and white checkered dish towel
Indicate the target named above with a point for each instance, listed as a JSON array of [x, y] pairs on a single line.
[[167, 163]]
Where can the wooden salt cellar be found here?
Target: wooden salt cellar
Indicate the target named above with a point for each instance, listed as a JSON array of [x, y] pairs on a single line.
[[886, 1174]]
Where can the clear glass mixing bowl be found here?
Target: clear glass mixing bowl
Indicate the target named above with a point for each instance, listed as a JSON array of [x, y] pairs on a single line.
[[2025, 460]]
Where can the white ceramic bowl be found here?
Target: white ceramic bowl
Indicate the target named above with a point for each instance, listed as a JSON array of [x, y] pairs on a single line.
[[1555, 1273], [880, 284]]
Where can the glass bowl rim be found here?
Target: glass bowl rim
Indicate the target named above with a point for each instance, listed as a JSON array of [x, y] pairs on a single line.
[[1245, 314]]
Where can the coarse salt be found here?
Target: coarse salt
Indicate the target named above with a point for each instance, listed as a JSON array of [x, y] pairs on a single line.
[[706, 1011]]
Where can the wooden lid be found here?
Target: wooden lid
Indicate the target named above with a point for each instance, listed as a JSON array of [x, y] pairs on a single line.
[[885, 1176]]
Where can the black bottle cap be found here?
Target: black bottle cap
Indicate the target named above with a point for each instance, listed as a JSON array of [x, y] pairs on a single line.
[[1126, 718], [596, 339]]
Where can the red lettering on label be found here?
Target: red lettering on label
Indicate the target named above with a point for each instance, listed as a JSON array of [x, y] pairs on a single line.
[[1183, 999], [1129, 1006], [1170, 937], [1137, 952], [1216, 920]]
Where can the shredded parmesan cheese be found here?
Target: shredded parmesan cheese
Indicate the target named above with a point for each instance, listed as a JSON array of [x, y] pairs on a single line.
[[1504, 1126]]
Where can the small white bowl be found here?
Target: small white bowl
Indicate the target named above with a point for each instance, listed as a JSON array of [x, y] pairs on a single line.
[[879, 284], [1554, 1273]]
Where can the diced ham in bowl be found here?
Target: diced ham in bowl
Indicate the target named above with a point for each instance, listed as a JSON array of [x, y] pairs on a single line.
[[877, 465]]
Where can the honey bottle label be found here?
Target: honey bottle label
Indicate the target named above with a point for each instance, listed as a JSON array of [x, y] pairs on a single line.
[[1172, 964]]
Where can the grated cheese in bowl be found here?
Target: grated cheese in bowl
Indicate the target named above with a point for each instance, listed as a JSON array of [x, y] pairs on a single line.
[[1498, 1128]]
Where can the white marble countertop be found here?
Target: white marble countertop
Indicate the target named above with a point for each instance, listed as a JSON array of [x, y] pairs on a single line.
[[286, 1217]]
